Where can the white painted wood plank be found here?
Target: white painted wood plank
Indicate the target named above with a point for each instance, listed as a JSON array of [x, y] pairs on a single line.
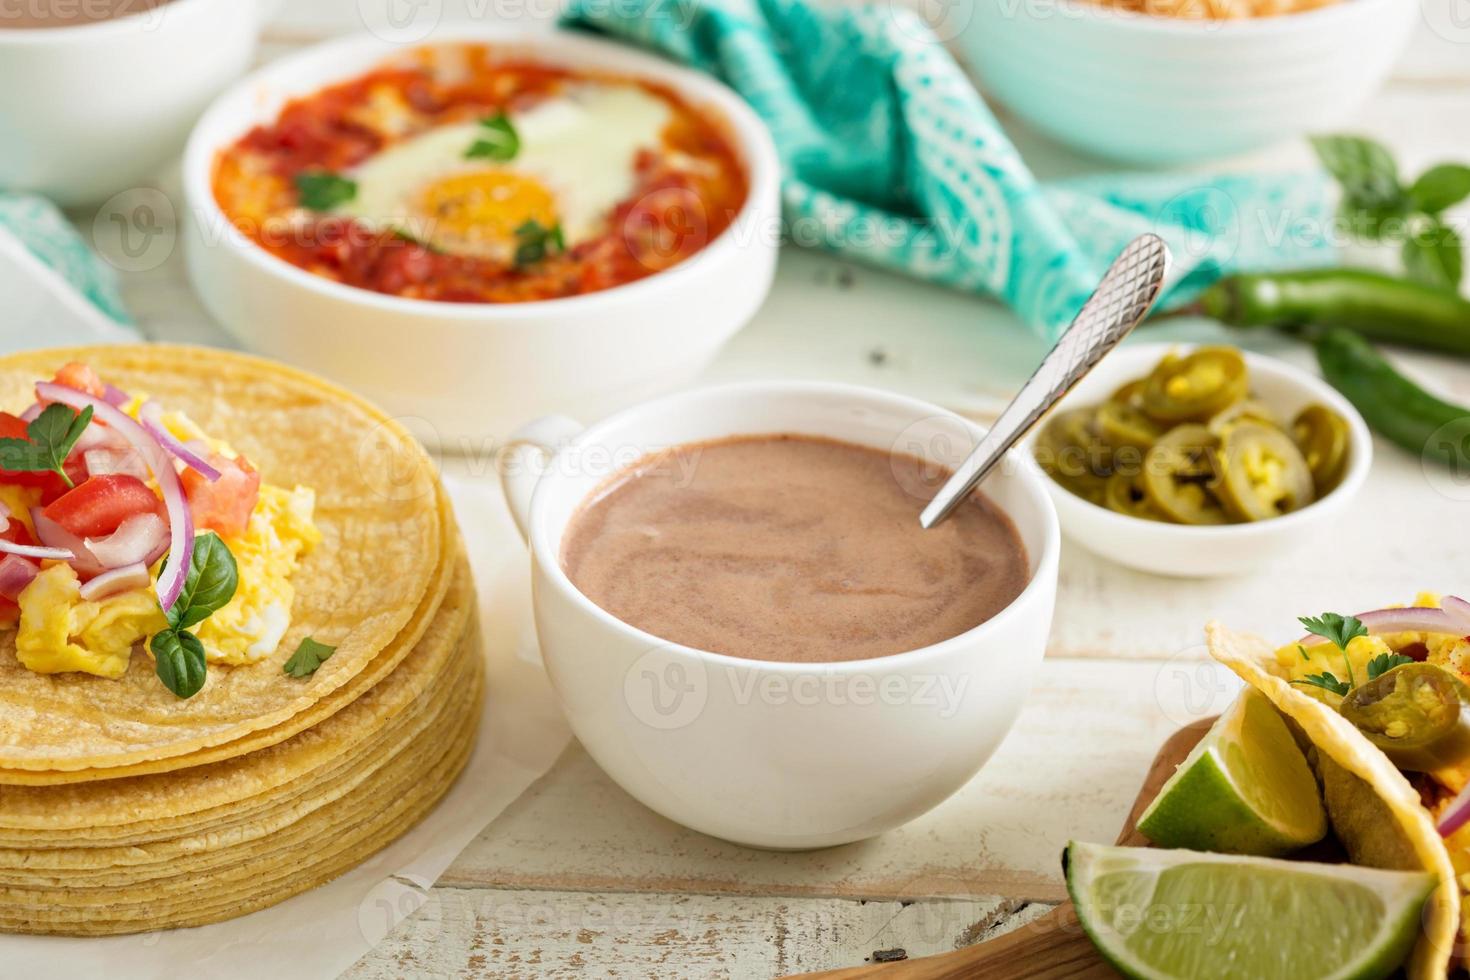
[[1071, 768], [523, 934]]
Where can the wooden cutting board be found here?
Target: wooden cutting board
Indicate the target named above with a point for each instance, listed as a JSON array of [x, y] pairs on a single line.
[[1053, 947]]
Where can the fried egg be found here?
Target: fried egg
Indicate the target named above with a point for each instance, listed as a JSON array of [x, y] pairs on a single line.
[[575, 163]]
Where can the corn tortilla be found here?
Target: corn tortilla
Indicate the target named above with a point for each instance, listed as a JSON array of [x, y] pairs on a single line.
[[213, 864], [1361, 784], [379, 511], [215, 797], [330, 854]]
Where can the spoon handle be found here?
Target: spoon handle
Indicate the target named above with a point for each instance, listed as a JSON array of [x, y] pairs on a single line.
[[1121, 300]]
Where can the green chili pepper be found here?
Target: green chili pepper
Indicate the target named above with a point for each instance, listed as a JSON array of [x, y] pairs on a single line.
[[1383, 307], [1391, 403]]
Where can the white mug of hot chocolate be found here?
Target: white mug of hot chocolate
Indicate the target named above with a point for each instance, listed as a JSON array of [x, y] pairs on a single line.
[[777, 754]]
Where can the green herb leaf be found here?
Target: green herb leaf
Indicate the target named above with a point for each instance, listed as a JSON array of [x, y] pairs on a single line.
[[1365, 169], [1327, 681], [49, 439], [499, 142], [535, 242], [308, 657], [1434, 254], [179, 660], [322, 190], [209, 585], [1303, 651], [1335, 627], [1385, 662], [1439, 187]]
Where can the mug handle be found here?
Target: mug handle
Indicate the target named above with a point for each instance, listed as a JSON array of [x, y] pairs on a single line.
[[523, 459]]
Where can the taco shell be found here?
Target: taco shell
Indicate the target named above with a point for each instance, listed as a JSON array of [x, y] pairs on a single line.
[[1375, 812]]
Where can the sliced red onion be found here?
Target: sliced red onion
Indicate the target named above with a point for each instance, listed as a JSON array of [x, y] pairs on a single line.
[[1413, 619], [36, 551], [149, 415], [1459, 609], [114, 580], [4, 518], [98, 437], [102, 462], [140, 538], [1456, 815], [53, 535], [114, 396], [15, 574], [181, 521], [32, 413]]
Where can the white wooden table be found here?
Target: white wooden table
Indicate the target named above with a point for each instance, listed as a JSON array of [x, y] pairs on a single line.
[[578, 879]]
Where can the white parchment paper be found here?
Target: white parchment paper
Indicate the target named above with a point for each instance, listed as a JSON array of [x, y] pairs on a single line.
[[323, 932]]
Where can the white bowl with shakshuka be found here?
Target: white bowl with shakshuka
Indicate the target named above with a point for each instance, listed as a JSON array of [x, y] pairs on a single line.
[[487, 227], [747, 627]]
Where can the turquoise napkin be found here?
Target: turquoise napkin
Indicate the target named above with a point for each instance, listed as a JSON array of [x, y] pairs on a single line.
[[57, 290], [890, 156]]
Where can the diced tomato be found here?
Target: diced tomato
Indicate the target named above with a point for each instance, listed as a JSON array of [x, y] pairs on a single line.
[[96, 507], [9, 612], [52, 485], [226, 504], [75, 374]]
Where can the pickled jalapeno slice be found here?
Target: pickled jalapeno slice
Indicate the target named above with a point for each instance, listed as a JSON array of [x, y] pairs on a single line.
[[1194, 387]]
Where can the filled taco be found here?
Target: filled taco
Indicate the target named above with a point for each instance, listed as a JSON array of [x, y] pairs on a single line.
[[1381, 702]]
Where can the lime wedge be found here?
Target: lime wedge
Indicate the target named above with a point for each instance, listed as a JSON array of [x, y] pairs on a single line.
[[1245, 789], [1171, 915]]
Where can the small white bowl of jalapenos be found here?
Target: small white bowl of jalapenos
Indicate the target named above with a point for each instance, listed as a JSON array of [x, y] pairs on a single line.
[[1199, 461]]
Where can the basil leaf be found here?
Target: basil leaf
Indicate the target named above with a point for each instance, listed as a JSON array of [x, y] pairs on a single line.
[[179, 660], [1439, 187], [322, 190], [308, 657], [535, 242], [1434, 254], [500, 141], [209, 585], [49, 439], [1365, 169]]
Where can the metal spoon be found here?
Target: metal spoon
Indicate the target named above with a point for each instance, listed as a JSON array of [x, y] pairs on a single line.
[[1121, 300]]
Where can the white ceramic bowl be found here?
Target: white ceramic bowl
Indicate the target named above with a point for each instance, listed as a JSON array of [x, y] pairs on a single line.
[[1158, 90], [462, 375], [778, 755], [93, 109], [1187, 551]]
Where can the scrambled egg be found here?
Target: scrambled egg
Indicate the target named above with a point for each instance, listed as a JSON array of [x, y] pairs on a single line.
[[251, 625], [60, 632], [19, 501]]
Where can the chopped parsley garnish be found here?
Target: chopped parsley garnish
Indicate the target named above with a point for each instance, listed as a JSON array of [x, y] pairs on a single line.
[[534, 242], [498, 142], [322, 190], [49, 439], [210, 584], [1338, 630], [1327, 681], [1385, 662], [308, 657], [1335, 627]]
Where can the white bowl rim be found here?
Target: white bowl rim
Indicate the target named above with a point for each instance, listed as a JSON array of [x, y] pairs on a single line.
[[1352, 481], [1030, 477], [745, 127], [1312, 19], [91, 30]]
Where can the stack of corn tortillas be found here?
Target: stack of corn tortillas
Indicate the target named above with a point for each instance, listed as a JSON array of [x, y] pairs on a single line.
[[124, 808]]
